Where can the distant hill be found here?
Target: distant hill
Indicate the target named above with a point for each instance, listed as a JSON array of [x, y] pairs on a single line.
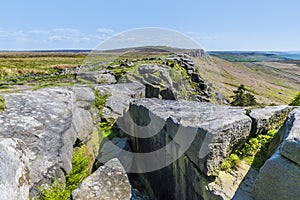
[[255, 56]]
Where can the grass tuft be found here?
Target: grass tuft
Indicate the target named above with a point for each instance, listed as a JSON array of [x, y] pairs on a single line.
[[2, 103], [81, 168], [254, 152]]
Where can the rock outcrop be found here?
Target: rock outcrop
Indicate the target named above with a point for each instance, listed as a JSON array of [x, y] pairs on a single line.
[[170, 149], [170, 78], [200, 135], [98, 77], [108, 182], [14, 172], [48, 121], [279, 178], [166, 127], [268, 118]]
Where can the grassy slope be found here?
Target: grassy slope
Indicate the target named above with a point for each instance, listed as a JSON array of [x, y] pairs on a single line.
[[271, 82], [18, 63]]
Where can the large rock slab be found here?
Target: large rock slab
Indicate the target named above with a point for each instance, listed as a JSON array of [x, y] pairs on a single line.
[[48, 121], [268, 118], [206, 133], [14, 172], [278, 179], [108, 182], [282, 170]]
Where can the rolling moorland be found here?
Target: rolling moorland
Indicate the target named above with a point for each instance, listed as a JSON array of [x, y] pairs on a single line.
[[273, 77], [62, 114]]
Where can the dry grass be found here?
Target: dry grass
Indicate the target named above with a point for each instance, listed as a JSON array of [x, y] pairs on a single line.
[[19, 63], [271, 82]]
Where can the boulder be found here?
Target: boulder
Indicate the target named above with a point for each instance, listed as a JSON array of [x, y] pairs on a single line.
[[119, 98], [98, 77], [108, 182], [268, 118], [84, 94], [14, 172], [279, 178]]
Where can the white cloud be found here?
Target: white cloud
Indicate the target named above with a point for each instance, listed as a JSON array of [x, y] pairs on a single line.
[[53, 38], [12, 34], [105, 30]]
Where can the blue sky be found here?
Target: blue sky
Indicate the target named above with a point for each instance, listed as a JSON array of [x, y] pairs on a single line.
[[215, 24]]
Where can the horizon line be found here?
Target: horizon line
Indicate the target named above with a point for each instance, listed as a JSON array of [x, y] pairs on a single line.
[[91, 49]]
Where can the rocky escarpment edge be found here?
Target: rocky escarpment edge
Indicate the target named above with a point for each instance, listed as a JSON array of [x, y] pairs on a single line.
[[282, 170]]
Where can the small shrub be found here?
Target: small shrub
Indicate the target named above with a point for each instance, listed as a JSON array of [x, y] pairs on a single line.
[[254, 151], [251, 147], [241, 98], [296, 100], [273, 104], [105, 128], [226, 166], [230, 162]]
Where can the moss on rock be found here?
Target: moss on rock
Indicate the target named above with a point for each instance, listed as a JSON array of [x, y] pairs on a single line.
[[2, 103]]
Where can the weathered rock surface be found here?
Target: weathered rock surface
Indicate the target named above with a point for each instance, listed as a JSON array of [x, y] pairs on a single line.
[[204, 135], [98, 77], [218, 129], [108, 182], [119, 98], [279, 178], [111, 149], [291, 145], [14, 172], [48, 121], [171, 78], [39, 128], [267, 118]]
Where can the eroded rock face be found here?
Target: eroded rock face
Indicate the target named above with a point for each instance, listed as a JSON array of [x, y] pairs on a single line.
[[279, 178], [48, 121], [217, 130], [291, 145], [171, 79], [14, 172], [267, 118], [108, 182]]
